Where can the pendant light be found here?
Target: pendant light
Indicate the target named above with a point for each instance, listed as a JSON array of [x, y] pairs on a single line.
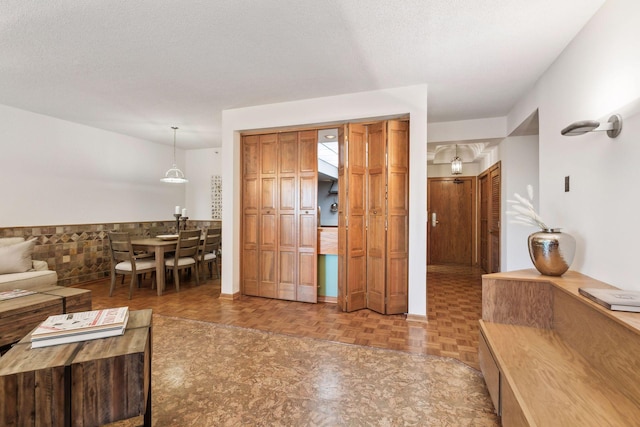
[[456, 164], [174, 175]]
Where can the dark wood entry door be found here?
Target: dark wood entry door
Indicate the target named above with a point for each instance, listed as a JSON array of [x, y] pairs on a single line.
[[451, 228]]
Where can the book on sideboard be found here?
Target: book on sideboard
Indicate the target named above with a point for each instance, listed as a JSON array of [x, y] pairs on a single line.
[[613, 299], [82, 326]]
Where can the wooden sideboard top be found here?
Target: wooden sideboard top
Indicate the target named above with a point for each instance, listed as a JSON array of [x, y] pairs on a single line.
[[569, 283]]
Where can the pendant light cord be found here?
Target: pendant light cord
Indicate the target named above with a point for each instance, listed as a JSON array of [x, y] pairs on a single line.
[[174, 143]]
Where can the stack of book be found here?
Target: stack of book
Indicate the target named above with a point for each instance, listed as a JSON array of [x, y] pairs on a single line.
[[613, 299], [83, 326]]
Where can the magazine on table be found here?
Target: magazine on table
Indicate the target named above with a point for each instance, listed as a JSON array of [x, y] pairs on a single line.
[[86, 325]]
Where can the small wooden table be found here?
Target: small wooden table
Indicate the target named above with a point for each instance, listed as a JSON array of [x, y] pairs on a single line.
[[86, 383], [159, 248], [18, 316]]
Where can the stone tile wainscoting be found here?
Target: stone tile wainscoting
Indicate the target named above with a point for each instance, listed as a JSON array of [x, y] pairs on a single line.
[[80, 253]]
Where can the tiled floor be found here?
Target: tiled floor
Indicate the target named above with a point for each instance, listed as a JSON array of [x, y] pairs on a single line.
[[453, 310]]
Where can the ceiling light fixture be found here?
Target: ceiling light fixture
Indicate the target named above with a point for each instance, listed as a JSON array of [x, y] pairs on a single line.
[[613, 127], [456, 164], [174, 175]]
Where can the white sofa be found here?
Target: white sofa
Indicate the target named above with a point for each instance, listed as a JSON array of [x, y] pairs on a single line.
[[18, 270]]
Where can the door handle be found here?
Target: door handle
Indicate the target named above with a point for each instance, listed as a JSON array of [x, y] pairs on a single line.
[[434, 220]]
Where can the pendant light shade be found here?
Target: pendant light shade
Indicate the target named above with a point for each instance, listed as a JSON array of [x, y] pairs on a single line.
[[456, 164], [174, 175]]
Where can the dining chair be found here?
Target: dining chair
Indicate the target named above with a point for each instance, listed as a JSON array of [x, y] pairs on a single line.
[[186, 255], [209, 251], [125, 262]]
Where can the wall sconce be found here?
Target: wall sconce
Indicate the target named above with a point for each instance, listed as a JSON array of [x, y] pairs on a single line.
[[613, 127], [456, 164]]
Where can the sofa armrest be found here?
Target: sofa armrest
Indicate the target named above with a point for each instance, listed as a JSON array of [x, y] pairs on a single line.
[[39, 265]]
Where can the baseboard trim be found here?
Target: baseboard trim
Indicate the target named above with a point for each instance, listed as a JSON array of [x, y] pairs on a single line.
[[417, 318], [329, 300], [230, 297]]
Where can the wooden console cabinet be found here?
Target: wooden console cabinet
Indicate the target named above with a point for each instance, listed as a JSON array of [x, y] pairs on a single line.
[[551, 357]]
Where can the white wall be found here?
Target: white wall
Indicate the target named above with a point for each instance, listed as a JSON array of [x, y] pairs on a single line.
[[342, 108], [202, 165], [463, 130], [59, 172], [518, 168], [597, 74]]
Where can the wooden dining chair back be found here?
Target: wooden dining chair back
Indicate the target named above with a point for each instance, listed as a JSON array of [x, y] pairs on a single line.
[[186, 255], [158, 230], [124, 261], [209, 251]]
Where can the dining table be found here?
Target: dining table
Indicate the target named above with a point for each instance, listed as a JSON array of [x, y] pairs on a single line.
[[159, 247]]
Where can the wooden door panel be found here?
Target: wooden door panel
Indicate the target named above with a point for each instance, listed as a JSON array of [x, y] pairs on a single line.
[[377, 192], [397, 250], [250, 231], [287, 200], [307, 256], [343, 184], [250, 155], [398, 200], [287, 226], [308, 153], [376, 285], [250, 212], [398, 243], [267, 280], [357, 200], [377, 204], [288, 152], [250, 199], [356, 250], [250, 272], [269, 194], [397, 285], [287, 270], [308, 195], [307, 290], [268, 231], [268, 154], [308, 234], [357, 283]]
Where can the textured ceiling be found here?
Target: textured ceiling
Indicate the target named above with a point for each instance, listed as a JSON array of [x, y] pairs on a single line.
[[139, 67]]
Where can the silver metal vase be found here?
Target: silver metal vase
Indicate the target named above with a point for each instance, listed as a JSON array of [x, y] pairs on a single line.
[[552, 251]]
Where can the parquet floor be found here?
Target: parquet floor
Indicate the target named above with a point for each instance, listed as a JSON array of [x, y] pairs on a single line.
[[453, 309]]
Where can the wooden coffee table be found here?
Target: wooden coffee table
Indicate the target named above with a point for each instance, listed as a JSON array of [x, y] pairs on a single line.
[[18, 316], [87, 383]]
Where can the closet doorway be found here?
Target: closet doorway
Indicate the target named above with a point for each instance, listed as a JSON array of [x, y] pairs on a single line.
[[279, 210]]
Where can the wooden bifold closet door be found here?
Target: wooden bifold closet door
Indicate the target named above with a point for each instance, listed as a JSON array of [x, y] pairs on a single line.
[[373, 216], [279, 215]]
